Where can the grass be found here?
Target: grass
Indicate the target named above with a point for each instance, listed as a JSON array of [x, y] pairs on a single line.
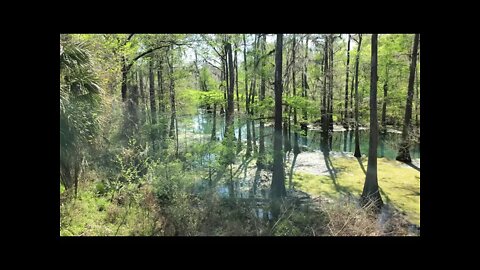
[[399, 184]]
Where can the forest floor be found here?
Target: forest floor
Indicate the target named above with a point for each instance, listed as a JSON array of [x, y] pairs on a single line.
[[342, 174]]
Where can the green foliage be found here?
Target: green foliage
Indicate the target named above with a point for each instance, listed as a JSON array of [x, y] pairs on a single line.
[[78, 107], [211, 98]]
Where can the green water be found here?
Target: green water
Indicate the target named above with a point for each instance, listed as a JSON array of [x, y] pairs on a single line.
[[341, 141]]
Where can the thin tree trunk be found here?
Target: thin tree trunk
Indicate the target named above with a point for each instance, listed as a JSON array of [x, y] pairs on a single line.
[[261, 150], [404, 153], [370, 192], [239, 145], [357, 60]]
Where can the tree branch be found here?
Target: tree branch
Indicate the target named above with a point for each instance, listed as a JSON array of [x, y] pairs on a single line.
[[213, 47], [204, 59], [152, 50]]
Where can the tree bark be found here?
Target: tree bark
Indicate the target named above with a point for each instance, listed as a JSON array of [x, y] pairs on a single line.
[[278, 178], [404, 153], [357, 61], [370, 192], [345, 113]]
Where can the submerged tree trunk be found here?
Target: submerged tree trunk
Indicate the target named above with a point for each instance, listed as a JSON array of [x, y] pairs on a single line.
[[345, 113], [278, 178], [404, 153], [370, 193], [214, 125], [357, 138]]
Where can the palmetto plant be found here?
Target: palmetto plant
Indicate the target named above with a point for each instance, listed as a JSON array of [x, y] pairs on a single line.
[[78, 101]]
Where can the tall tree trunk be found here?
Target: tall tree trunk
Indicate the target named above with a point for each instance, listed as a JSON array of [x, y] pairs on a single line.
[[142, 91], [133, 104], [124, 79], [345, 113], [296, 149], [324, 105], [351, 100], [230, 86], [384, 105], [261, 149], [153, 108], [278, 178], [247, 99], [239, 145], [330, 84], [404, 153], [253, 91], [173, 118], [357, 60], [417, 99], [161, 101], [197, 72], [370, 192], [229, 137], [304, 82]]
